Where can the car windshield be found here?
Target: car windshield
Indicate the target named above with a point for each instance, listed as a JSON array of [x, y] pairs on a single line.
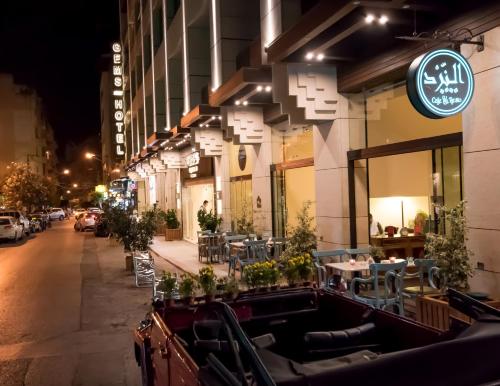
[[4, 221]]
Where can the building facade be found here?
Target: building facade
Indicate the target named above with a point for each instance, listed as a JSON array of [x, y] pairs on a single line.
[[261, 106], [25, 134]]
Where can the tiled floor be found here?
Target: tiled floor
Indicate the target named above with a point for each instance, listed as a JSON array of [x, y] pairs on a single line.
[[183, 255]]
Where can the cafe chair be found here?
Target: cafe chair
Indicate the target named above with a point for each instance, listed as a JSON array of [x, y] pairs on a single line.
[[231, 259], [358, 254], [390, 294], [277, 247], [215, 247], [425, 268], [255, 251], [324, 257], [203, 244]]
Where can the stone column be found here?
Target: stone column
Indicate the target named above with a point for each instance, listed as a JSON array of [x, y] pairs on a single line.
[[481, 148], [221, 166], [332, 140]]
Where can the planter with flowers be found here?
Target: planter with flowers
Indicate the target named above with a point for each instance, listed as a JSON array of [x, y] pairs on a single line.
[[167, 287], [187, 288], [229, 288], [173, 231], [298, 268], [208, 282], [261, 275]]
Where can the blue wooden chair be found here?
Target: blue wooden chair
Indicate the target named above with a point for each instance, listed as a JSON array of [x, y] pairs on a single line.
[[358, 253], [255, 251], [426, 267], [324, 257], [277, 247], [391, 294], [231, 259]]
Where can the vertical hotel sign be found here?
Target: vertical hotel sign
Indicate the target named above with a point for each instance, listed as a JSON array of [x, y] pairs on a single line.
[[118, 115]]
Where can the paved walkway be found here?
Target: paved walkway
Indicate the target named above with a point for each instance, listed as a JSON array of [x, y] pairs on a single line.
[[183, 255]]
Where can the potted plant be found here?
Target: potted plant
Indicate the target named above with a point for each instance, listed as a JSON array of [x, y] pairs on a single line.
[[450, 250], [123, 226], [211, 222], [301, 238], [167, 286], [377, 253], [173, 231], [208, 282], [244, 223], [144, 235], [187, 288], [251, 276], [229, 288], [291, 271]]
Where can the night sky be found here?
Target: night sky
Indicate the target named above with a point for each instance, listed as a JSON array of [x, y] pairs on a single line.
[[55, 46]]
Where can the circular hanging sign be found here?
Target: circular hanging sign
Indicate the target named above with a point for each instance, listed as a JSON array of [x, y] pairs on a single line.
[[440, 83]]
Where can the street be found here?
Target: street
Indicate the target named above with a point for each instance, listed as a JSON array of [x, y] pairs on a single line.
[[67, 311]]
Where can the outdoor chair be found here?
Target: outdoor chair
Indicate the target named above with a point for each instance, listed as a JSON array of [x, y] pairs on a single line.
[[277, 247], [203, 245], [144, 270], [324, 257], [215, 247], [390, 295], [425, 267], [255, 251], [358, 254], [227, 247]]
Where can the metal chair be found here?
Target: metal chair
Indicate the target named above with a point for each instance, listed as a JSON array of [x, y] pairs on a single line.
[[203, 244], [144, 270], [215, 247], [324, 257], [425, 267], [255, 251], [227, 246], [393, 285]]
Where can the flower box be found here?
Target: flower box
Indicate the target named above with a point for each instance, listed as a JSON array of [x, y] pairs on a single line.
[[173, 234]]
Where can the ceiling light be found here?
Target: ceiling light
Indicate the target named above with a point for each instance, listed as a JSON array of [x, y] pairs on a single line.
[[237, 103], [383, 19], [369, 18], [213, 116], [309, 55], [320, 57], [219, 117], [200, 125], [206, 125], [406, 6], [268, 88], [259, 88], [245, 103]]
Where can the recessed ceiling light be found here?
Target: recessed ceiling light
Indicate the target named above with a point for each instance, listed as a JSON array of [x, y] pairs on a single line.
[[259, 88], [200, 125], [320, 57], [213, 116], [237, 103], [369, 18], [245, 103], [268, 88], [309, 55], [383, 19], [219, 117]]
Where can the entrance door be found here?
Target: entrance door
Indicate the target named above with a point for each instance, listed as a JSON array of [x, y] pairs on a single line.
[[193, 197]]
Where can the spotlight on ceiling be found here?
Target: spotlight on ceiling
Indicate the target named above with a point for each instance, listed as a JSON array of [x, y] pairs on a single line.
[[268, 88], [245, 103], [237, 103], [369, 18], [320, 57], [309, 55], [259, 88], [200, 125], [383, 19]]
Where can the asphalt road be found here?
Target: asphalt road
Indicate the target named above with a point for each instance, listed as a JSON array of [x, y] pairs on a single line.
[[67, 311]]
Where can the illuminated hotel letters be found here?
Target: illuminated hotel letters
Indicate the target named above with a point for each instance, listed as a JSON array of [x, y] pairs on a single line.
[[440, 83], [118, 114]]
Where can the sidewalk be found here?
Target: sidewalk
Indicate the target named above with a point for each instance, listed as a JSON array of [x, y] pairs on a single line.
[[183, 255]]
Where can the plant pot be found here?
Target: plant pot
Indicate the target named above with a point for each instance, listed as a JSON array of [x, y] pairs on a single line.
[[188, 300], [230, 296], [160, 230], [129, 262], [173, 234]]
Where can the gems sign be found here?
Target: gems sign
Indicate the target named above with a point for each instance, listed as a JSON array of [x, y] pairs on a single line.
[[440, 83], [118, 115]]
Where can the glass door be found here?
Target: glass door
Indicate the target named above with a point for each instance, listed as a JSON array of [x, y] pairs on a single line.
[[279, 202]]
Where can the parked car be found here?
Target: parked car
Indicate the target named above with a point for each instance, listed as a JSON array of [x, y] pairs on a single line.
[[77, 212], [86, 221], [313, 337], [101, 227], [24, 222], [57, 214], [45, 217], [37, 222], [94, 210], [10, 228]]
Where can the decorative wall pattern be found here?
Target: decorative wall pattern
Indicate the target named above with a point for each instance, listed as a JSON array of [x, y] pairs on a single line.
[[172, 159], [208, 141], [245, 125]]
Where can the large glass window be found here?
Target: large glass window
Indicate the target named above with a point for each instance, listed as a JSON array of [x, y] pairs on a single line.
[[240, 171]]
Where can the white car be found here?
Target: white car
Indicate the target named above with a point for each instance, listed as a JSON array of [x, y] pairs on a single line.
[[20, 219], [77, 212], [57, 214], [10, 228], [86, 221]]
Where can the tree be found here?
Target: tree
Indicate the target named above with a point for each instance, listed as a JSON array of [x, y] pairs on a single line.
[[302, 239], [24, 190]]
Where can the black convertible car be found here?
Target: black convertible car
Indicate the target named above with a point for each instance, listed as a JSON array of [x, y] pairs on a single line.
[[311, 337]]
